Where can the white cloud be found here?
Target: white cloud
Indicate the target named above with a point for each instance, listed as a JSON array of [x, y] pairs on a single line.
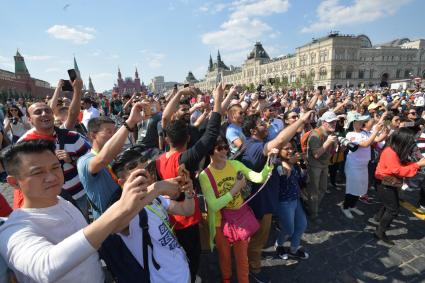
[[6, 62], [37, 57], [331, 14], [77, 35], [243, 28]]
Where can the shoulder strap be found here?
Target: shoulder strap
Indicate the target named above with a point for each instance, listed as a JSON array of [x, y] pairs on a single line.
[[212, 181], [143, 223]]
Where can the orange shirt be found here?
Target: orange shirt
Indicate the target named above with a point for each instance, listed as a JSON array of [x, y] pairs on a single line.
[[389, 165]]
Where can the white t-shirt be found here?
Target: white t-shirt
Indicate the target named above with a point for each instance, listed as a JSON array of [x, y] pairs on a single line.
[[166, 249], [362, 155], [89, 114], [48, 245]]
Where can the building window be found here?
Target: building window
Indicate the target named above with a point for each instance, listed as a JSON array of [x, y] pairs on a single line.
[[398, 74], [313, 58], [337, 74], [322, 73], [361, 74], [303, 75], [406, 73], [371, 72], [312, 74], [292, 78], [348, 74]]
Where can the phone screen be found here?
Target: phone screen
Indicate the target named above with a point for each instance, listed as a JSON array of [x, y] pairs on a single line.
[[207, 99], [72, 74], [67, 86]]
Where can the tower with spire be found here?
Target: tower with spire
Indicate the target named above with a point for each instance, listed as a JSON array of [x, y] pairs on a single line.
[[128, 85], [91, 87], [210, 65], [21, 70], [77, 70]]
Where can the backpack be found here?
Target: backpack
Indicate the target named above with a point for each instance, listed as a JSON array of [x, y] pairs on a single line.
[[305, 137]]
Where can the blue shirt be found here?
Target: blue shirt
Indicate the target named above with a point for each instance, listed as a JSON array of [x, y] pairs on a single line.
[[289, 188], [267, 200], [99, 187], [274, 129], [233, 133]]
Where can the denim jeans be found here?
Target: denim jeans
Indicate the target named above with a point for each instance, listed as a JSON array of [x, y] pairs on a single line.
[[293, 221]]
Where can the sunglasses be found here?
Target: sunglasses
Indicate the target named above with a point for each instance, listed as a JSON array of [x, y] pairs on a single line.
[[222, 147], [412, 113]]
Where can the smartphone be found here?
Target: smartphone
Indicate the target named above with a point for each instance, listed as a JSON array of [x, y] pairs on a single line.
[[387, 123], [72, 74], [186, 85], [67, 86], [207, 99]]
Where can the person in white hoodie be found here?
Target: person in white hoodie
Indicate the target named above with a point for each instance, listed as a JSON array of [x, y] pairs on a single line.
[[48, 239]]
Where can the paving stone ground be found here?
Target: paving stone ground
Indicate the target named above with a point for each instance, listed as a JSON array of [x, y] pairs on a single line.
[[341, 250], [344, 250]]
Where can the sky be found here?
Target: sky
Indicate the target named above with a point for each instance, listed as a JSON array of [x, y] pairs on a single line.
[[171, 38]]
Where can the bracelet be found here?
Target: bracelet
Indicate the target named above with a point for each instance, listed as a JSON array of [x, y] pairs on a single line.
[[189, 195], [128, 127]]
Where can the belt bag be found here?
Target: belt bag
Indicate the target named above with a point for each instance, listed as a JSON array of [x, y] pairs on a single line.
[[237, 224], [392, 181]]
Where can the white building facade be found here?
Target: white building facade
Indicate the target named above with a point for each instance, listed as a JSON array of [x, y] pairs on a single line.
[[331, 61]]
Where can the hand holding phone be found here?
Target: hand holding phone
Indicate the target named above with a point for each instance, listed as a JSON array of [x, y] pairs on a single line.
[[67, 86]]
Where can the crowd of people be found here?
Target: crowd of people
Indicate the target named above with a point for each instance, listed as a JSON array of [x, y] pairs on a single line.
[[134, 179]]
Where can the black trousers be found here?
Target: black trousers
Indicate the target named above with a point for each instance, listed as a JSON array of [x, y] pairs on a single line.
[[189, 238], [390, 208], [422, 196], [350, 201]]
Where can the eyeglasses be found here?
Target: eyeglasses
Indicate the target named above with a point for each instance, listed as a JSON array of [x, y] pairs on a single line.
[[412, 113], [222, 147]]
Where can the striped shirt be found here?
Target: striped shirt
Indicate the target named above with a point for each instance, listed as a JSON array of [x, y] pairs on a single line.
[[420, 142], [75, 145]]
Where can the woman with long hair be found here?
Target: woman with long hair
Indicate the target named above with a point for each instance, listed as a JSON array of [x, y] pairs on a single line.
[[221, 187], [16, 122], [394, 164], [357, 179]]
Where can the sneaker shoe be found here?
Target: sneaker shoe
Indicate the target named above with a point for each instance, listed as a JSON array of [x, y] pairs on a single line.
[[421, 209], [260, 277], [328, 191], [282, 252], [356, 211], [366, 199], [383, 238], [347, 213], [300, 253], [198, 279]]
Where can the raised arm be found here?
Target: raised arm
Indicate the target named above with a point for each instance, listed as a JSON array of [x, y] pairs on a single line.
[[287, 133], [173, 104], [373, 136], [228, 98], [75, 106], [191, 157], [312, 103], [114, 145], [54, 101]]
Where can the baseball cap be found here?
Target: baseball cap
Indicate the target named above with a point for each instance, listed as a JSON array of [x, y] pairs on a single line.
[[329, 116], [357, 117]]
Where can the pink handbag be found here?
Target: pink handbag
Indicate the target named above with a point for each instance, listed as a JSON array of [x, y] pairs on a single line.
[[237, 224]]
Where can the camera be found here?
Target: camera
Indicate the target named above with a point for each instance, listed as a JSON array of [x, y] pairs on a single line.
[[259, 88], [344, 142]]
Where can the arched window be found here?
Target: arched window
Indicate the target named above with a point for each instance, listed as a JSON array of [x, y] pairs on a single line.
[[293, 77], [323, 73], [312, 74], [303, 74]]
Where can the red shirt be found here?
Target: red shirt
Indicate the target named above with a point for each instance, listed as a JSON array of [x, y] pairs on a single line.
[[5, 209], [389, 165], [168, 168]]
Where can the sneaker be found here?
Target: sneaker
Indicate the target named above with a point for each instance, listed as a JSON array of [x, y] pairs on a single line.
[[383, 238], [356, 211], [366, 199], [347, 213], [328, 191], [282, 252], [300, 253], [421, 209], [260, 277], [198, 279]]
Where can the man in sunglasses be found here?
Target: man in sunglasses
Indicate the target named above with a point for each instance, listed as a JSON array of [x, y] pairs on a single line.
[[275, 124], [234, 134], [94, 170]]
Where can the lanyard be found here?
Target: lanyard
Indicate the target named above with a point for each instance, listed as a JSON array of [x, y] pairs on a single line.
[[163, 219], [114, 177]]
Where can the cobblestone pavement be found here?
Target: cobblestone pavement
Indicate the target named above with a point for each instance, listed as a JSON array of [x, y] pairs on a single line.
[[344, 250], [341, 250]]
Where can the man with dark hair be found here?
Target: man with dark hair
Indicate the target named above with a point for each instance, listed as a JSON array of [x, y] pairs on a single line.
[[180, 156], [69, 147], [89, 111], [266, 202], [48, 240], [99, 182]]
